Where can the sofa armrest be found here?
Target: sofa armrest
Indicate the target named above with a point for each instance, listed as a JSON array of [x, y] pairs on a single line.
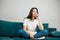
[[51, 29]]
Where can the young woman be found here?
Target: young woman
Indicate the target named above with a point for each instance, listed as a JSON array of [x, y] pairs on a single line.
[[30, 24]]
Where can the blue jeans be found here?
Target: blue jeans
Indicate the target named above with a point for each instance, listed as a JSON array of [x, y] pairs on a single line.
[[37, 35]]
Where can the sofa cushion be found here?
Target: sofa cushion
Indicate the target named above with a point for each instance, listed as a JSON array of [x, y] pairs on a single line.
[[55, 33], [51, 29], [18, 38]]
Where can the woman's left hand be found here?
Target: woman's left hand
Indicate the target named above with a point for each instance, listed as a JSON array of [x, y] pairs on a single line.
[[38, 16]]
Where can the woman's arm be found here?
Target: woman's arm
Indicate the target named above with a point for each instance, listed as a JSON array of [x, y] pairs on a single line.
[[25, 29], [40, 25]]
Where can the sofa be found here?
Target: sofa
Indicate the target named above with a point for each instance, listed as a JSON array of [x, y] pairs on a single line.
[[9, 31]]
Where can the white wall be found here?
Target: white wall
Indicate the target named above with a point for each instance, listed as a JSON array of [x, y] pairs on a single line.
[[17, 10]]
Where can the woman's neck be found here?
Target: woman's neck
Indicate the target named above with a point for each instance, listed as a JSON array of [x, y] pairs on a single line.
[[32, 19]]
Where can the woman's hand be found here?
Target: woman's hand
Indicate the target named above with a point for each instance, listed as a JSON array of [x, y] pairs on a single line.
[[31, 36], [37, 16], [39, 23]]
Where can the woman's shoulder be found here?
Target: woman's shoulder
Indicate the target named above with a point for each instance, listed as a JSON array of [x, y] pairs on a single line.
[[26, 19]]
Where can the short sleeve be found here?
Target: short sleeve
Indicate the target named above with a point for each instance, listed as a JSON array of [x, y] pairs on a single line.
[[25, 22]]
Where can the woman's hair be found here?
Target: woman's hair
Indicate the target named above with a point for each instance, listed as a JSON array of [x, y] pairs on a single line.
[[30, 13]]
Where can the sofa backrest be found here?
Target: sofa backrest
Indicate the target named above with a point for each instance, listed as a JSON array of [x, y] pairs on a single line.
[[11, 28], [45, 25]]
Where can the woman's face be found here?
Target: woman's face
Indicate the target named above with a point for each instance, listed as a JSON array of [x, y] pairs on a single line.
[[34, 13]]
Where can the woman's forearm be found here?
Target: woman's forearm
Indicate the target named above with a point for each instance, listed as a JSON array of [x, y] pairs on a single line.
[[25, 29], [28, 32], [40, 25]]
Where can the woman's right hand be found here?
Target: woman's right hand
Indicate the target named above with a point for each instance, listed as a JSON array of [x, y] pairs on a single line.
[[31, 36]]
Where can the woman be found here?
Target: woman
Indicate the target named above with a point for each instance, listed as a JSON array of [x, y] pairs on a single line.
[[30, 24]]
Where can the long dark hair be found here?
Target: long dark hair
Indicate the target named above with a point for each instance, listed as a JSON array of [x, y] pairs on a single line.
[[30, 13]]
